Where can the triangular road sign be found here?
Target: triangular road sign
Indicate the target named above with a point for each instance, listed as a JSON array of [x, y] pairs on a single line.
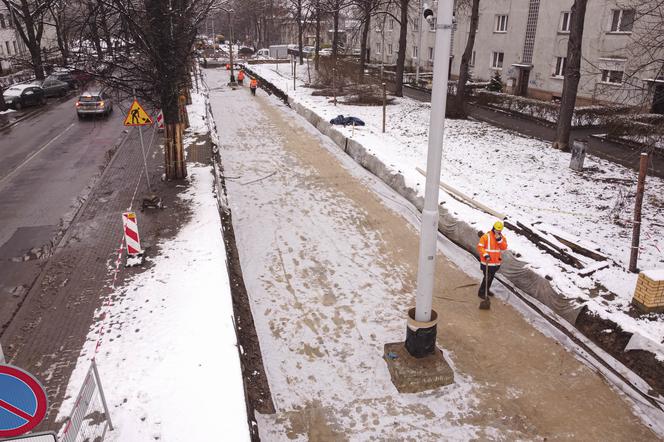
[[137, 116]]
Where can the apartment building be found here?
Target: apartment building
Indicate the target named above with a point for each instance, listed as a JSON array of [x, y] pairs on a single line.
[[10, 43], [526, 42]]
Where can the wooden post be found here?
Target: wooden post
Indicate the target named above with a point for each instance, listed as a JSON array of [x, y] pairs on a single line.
[[308, 70], [384, 105], [636, 229], [294, 71]]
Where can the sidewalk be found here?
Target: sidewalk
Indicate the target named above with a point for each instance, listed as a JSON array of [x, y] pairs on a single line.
[[47, 334], [329, 257]]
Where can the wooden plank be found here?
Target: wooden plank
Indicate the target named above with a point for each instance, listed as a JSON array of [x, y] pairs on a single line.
[[454, 192]]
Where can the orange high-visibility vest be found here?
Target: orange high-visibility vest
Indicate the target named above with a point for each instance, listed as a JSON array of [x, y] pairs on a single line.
[[489, 244], [228, 67], [253, 83], [240, 76]]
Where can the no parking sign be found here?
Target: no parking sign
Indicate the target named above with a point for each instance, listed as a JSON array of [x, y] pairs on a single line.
[[23, 401]]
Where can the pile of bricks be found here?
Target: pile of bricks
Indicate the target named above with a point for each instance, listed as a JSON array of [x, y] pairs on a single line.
[[649, 292]]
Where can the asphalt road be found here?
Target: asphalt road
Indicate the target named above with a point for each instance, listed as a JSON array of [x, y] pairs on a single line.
[[49, 162]]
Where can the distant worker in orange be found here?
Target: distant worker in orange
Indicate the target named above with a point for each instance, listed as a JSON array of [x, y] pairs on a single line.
[[253, 85], [228, 66], [240, 77], [490, 249]]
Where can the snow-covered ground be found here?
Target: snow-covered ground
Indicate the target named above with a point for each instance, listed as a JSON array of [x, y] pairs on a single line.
[[168, 358], [527, 180]]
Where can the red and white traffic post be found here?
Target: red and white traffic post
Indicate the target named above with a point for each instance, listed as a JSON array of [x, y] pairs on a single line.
[[132, 239]]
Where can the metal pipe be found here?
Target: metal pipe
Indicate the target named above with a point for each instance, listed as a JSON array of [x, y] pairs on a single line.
[[428, 240]]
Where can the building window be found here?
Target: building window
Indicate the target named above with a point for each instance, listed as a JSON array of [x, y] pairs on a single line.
[[390, 25], [622, 20], [415, 53], [2, 21], [432, 24], [472, 59], [501, 23], [565, 21], [416, 24], [497, 60], [389, 49], [613, 77], [9, 51], [430, 53], [378, 48], [561, 63], [15, 48]]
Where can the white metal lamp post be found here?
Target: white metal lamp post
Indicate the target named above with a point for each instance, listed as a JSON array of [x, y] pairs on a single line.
[[230, 41], [421, 333]]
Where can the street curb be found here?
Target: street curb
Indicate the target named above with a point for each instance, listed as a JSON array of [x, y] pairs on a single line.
[[86, 195], [232, 259]]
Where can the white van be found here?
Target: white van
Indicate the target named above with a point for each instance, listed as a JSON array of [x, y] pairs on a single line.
[[262, 53]]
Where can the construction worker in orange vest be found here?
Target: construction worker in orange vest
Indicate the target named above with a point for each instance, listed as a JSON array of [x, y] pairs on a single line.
[[253, 85], [228, 66], [490, 247], [240, 77]]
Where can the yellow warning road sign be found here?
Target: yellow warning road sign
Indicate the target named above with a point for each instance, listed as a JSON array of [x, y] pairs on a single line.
[[137, 116]]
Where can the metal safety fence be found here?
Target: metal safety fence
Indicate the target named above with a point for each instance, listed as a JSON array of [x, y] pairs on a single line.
[[89, 419]]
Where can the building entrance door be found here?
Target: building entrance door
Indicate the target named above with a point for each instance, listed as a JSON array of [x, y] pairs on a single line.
[[522, 82]]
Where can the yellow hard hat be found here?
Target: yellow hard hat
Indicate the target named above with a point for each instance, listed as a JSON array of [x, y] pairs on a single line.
[[498, 225]]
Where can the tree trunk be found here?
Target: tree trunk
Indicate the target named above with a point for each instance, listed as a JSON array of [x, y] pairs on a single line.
[[3, 105], [401, 56], [572, 76], [37, 63], [335, 36], [460, 99], [300, 31], [364, 38], [106, 31], [316, 54]]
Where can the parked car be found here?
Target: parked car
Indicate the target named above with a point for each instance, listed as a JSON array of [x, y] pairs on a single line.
[[67, 77], [94, 103], [22, 95], [262, 53], [53, 87]]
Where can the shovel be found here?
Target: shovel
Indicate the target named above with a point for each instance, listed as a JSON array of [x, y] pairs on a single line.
[[485, 304]]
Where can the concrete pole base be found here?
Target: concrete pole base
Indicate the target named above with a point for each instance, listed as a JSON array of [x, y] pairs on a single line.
[[413, 375]]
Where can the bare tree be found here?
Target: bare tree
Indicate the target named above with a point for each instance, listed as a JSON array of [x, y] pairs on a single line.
[[28, 17], [464, 74], [401, 55], [572, 75], [63, 23], [157, 69], [367, 9], [300, 11]]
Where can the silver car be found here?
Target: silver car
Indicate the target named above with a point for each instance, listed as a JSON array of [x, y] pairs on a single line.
[[94, 103]]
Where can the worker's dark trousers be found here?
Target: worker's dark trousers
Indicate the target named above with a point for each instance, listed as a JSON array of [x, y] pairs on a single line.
[[492, 273], [253, 91]]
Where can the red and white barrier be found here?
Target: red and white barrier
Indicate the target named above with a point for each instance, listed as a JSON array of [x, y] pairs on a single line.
[[160, 121], [131, 234]]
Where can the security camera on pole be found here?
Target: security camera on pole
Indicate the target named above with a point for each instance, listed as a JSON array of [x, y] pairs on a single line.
[[407, 362]]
